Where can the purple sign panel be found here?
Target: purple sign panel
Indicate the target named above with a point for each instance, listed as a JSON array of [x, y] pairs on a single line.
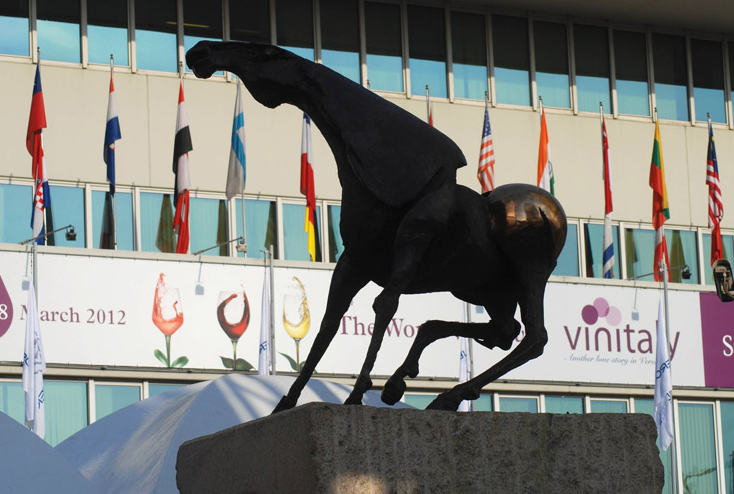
[[717, 327], [6, 309]]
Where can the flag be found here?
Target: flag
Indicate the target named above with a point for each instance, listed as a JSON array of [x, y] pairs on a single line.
[[181, 147], [307, 186], [263, 363], [660, 211], [111, 134], [107, 235], [430, 114], [464, 371], [663, 384], [34, 144], [485, 173], [608, 240], [34, 365], [236, 173], [546, 179], [716, 207], [164, 235]]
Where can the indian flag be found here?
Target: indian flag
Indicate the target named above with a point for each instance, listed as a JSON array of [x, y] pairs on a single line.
[[545, 165]]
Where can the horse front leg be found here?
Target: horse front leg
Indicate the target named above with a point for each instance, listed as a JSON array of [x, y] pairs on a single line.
[[346, 282]]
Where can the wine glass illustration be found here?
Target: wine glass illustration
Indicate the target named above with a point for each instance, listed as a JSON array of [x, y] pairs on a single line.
[[234, 306], [296, 317], [168, 317]]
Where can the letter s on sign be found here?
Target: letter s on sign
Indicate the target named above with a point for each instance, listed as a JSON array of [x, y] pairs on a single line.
[[728, 345]]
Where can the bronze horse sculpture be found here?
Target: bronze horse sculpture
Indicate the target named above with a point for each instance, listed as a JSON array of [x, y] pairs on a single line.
[[406, 224]]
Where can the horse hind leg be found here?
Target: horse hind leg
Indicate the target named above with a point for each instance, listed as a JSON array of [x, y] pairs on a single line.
[[500, 332]]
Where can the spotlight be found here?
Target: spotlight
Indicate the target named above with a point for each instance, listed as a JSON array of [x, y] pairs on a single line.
[[71, 234], [723, 279], [241, 246], [686, 272]]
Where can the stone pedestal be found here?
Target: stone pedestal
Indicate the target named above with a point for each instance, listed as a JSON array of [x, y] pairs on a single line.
[[322, 448]]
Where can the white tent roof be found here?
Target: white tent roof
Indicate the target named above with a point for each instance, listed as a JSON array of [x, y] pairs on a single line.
[[134, 450], [28, 465]]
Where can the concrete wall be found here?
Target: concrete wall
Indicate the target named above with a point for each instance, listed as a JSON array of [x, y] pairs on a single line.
[[76, 101]]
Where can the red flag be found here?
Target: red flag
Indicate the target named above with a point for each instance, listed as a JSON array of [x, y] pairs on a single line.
[[307, 186], [660, 211], [181, 147]]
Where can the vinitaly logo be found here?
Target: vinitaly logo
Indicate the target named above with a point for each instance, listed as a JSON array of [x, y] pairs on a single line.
[[6, 309], [601, 309]]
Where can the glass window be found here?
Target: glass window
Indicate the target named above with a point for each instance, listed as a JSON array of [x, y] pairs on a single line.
[[564, 404], [156, 389], [294, 19], [511, 60], [107, 31], [14, 26], [262, 227], [630, 64], [294, 236], [427, 45], [727, 437], [640, 252], [648, 407], [518, 404], [591, 48], [708, 80], [419, 401], [340, 37], [384, 46], [249, 21], [731, 70], [551, 64], [671, 81], [594, 250], [208, 222], [66, 409], [483, 403], [202, 21], [156, 222], [469, 55], [15, 213], [123, 216], [682, 251], [697, 447], [12, 400], [155, 35], [728, 244], [568, 261], [336, 246], [110, 398], [58, 30], [67, 206], [608, 406]]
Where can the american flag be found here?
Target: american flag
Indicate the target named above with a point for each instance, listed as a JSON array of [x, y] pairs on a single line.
[[485, 174], [716, 207]]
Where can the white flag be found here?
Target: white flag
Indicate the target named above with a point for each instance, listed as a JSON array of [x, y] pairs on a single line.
[[34, 365], [236, 170], [464, 372], [263, 364], [663, 385]]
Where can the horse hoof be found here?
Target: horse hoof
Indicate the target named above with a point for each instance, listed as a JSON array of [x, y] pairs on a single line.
[[353, 400], [282, 405], [444, 402], [393, 391]]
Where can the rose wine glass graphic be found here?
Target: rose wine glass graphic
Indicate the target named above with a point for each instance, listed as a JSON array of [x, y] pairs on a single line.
[[168, 317], [234, 306], [296, 317]]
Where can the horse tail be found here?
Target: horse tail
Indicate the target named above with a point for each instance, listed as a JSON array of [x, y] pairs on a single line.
[[526, 219]]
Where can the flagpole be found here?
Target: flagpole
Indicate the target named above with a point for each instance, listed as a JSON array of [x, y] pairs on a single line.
[[428, 105], [244, 230], [35, 185], [272, 313], [540, 107], [114, 200]]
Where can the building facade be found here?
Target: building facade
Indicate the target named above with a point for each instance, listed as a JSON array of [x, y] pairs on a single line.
[[635, 63]]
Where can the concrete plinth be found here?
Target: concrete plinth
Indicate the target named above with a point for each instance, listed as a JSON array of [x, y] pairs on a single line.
[[335, 449]]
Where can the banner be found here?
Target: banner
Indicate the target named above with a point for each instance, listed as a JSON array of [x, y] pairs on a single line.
[[105, 311]]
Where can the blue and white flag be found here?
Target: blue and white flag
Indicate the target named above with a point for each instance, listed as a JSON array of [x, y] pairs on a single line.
[[236, 172], [464, 372], [111, 134], [663, 385], [263, 363], [34, 365]]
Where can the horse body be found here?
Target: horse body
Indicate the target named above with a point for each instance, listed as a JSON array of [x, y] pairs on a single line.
[[405, 223]]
